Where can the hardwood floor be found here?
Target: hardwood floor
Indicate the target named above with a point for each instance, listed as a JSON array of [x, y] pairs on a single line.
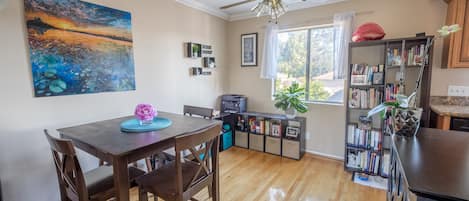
[[247, 175]]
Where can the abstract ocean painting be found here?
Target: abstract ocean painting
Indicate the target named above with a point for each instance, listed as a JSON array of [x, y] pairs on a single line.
[[79, 48]]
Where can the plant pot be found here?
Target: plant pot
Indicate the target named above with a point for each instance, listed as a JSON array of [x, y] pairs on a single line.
[[290, 113], [406, 122]]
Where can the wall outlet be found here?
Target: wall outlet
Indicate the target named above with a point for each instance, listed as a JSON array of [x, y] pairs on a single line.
[[458, 90]]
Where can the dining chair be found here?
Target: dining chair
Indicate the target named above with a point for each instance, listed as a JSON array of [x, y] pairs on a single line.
[[157, 160], [181, 179], [206, 113], [94, 185]]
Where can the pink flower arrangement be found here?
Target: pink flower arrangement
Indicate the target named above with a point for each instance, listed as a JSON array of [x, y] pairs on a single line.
[[145, 112]]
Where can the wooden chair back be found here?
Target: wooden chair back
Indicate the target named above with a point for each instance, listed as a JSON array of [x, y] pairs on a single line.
[[206, 113], [206, 158], [71, 179]]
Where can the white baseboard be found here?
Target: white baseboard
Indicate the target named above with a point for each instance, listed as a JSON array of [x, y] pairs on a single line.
[[340, 158]]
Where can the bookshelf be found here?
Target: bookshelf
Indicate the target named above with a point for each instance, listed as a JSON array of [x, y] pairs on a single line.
[[268, 133], [368, 141]]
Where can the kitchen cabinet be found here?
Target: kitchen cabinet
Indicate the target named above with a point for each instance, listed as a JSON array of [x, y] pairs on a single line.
[[456, 46]]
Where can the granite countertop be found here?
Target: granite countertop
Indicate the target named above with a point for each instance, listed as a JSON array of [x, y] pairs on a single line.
[[451, 110], [450, 106]]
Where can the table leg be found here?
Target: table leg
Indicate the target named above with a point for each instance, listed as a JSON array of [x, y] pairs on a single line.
[[215, 166], [121, 178]]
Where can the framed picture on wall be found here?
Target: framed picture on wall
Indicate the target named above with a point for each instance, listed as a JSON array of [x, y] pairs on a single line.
[[249, 50]]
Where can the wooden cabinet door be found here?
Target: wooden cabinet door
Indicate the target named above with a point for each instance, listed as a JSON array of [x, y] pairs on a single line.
[[456, 47]]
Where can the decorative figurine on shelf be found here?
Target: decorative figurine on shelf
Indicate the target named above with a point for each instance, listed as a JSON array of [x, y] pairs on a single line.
[[404, 111], [145, 113], [291, 100], [368, 31]]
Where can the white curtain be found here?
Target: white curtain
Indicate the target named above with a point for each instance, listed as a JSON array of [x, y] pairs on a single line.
[[270, 53], [343, 24]]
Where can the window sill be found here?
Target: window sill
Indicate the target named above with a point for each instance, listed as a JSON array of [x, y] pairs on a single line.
[[325, 103]]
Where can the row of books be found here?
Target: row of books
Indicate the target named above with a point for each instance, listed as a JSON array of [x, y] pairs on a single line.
[[262, 126], [364, 74], [412, 56], [415, 55], [365, 98], [366, 161], [364, 138], [392, 90]]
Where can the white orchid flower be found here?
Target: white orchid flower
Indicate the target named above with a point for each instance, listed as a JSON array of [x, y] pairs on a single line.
[[447, 30]]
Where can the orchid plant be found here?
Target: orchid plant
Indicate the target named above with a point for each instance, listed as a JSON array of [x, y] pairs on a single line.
[[403, 101]]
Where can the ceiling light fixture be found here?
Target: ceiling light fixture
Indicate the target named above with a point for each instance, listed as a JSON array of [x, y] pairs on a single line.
[[273, 8]]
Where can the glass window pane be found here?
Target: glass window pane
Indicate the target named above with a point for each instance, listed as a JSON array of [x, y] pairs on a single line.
[[292, 59], [323, 86]]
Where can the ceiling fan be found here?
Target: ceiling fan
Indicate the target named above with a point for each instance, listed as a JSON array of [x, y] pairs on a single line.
[[274, 8]]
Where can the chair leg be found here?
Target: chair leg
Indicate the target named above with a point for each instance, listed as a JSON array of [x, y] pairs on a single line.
[[210, 190], [149, 165], [142, 195]]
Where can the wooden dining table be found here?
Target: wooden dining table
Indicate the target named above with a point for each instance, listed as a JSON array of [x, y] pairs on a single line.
[[106, 141]]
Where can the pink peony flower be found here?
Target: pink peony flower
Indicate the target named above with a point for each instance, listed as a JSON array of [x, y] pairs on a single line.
[[145, 112]]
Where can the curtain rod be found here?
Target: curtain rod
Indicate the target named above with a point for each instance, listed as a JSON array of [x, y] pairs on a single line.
[[309, 22]]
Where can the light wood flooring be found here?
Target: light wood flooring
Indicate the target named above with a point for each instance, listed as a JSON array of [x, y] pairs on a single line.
[[247, 175]]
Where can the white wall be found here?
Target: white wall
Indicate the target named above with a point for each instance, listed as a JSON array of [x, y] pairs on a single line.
[[325, 124], [162, 77]]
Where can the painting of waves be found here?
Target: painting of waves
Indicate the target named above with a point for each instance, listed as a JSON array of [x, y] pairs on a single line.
[[79, 48]]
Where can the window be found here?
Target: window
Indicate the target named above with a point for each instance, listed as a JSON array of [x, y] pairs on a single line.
[[307, 57]]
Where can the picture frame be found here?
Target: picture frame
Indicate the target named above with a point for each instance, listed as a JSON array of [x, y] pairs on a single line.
[[209, 62], [249, 50], [378, 78], [194, 50]]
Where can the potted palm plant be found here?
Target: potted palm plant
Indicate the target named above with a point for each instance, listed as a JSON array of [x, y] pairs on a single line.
[[291, 100], [404, 111]]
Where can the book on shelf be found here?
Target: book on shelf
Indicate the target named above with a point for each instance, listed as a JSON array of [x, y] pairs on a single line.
[[364, 138], [366, 161], [365, 98], [393, 57], [362, 74], [276, 128], [392, 90], [257, 125], [386, 163]]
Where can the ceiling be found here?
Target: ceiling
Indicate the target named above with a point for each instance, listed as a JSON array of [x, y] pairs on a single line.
[[244, 11]]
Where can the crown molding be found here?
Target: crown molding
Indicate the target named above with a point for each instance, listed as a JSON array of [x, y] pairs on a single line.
[[208, 9], [290, 7], [246, 15]]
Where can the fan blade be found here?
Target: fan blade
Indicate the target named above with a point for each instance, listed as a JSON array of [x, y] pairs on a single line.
[[236, 4]]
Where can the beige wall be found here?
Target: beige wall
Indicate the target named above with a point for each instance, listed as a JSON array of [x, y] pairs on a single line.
[[399, 18], [160, 27]]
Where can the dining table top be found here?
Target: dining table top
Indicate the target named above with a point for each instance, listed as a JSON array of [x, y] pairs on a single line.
[[107, 137]]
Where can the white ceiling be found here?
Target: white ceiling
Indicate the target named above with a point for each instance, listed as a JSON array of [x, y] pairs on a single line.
[[244, 11]]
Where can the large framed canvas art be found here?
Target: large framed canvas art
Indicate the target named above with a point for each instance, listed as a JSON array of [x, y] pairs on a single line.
[[79, 48]]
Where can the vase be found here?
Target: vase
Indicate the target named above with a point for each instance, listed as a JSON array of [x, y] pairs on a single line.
[[145, 122], [290, 113], [406, 121]]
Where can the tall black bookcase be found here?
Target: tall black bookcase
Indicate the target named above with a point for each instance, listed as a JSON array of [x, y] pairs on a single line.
[[375, 53]]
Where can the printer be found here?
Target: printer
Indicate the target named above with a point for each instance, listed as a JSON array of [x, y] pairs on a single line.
[[232, 103]]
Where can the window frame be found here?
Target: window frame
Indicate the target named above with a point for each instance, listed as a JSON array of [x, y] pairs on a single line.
[[308, 64]]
